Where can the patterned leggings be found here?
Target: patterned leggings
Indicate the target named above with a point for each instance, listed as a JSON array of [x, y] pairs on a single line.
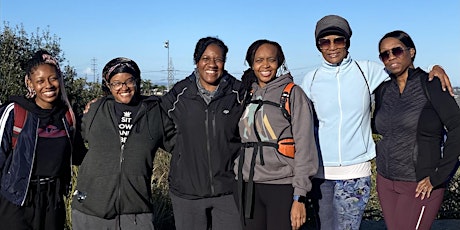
[[340, 204]]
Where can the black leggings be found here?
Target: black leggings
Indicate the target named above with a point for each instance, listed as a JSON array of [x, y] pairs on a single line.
[[271, 207]]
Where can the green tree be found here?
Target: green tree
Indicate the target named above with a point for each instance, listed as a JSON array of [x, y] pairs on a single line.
[[17, 46]]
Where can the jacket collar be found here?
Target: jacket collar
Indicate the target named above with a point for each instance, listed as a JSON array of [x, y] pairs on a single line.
[[343, 64], [224, 84], [277, 82]]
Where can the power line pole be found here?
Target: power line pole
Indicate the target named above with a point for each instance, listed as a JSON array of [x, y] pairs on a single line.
[[170, 73], [94, 65]]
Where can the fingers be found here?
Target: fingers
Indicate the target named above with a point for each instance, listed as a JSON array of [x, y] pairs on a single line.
[[298, 215], [88, 105], [296, 223], [423, 192]]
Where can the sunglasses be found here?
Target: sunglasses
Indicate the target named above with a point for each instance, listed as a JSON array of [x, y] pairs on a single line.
[[325, 43], [397, 52]]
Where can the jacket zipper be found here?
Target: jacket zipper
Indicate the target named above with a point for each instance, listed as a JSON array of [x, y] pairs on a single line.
[[71, 140], [119, 178], [208, 148], [341, 116], [32, 164]]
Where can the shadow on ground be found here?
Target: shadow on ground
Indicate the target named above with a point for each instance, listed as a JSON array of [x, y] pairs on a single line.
[[444, 224]]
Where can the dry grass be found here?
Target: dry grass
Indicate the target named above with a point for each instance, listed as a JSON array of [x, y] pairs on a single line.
[[164, 218], [162, 204]]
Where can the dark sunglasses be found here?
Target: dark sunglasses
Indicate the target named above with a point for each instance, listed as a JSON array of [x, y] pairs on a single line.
[[397, 52], [325, 43]]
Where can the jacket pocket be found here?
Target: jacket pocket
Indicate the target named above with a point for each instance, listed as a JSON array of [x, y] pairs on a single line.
[[99, 195]]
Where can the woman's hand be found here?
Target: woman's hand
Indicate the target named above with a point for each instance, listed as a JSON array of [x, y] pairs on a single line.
[[298, 214], [88, 105], [438, 71], [424, 188]]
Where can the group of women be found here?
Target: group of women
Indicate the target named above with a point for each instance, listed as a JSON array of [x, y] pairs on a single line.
[[245, 154]]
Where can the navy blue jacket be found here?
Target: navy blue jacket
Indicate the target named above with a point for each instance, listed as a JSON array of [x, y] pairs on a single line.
[[16, 165]]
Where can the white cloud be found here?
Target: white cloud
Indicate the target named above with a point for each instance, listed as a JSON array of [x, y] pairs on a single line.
[[88, 71]]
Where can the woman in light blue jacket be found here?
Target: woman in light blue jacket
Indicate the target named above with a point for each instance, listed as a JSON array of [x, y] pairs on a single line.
[[340, 90]]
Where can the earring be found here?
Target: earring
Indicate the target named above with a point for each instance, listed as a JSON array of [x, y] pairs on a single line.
[[30, 92]]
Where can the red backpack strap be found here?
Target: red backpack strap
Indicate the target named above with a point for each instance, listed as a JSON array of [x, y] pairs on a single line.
[[20, 115], [69, 119], [285, 101]]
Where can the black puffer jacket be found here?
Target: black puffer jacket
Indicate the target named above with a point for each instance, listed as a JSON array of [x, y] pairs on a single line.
[[412, 125], [207, 139], [113, 180]]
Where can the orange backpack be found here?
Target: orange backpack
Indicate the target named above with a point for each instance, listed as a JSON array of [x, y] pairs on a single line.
[[285, 146]]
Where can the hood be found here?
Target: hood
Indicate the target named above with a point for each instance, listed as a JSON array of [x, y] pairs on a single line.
[[280, 81], [47, 116]]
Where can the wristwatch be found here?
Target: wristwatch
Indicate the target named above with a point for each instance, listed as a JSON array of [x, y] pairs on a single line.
[[299, 198]]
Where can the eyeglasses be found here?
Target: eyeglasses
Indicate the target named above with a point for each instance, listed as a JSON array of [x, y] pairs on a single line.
[[207, 60], [325, 43], [117, 85], [397, 52]]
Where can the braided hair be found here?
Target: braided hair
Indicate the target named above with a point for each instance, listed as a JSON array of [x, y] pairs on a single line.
[[43, 57]]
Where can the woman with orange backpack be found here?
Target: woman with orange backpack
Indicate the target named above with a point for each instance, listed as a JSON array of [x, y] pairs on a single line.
[[279, 152]]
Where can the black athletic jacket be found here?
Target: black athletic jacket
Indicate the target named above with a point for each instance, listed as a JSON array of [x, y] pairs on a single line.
[[207, 139], [412, 125]]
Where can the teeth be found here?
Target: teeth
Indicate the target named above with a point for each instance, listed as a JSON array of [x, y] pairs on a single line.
[[333, 55], [210, 71], [266, 73], [49, 94]]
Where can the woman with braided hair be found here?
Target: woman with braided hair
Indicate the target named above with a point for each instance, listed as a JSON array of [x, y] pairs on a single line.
[[37, 149]]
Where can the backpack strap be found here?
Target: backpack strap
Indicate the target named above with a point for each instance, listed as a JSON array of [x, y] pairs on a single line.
[[69, 118], [20, 116], [367, 84], [285, 101]]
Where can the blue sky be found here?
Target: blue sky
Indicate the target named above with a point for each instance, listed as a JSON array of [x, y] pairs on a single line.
[[137, 29]]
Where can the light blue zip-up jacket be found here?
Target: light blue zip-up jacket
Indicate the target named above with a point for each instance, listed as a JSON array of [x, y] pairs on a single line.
[[341, 95]]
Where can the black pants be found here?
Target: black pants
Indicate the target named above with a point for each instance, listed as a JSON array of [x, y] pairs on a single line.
[[271, 207], [44, 209]]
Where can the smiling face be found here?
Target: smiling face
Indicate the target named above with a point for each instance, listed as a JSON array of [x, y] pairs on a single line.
[[44, 80], [265, 64], [335, 52], [125, 93], [398, 60], [211, 67]]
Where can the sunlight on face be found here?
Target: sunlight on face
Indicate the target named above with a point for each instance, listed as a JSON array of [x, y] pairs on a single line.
[[265, 64], [45, 81]]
